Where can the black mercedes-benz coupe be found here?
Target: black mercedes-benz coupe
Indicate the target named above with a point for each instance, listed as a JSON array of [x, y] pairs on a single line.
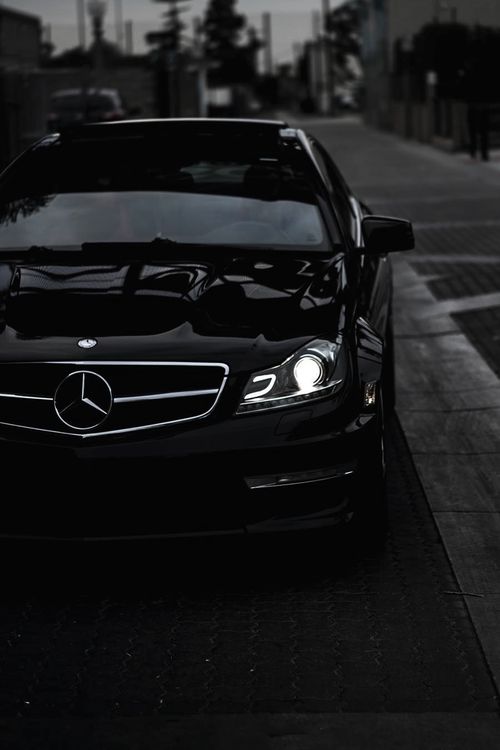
[[195, 334]]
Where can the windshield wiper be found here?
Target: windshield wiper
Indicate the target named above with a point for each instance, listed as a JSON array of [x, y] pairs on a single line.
[[34, 252], [39, 250], [44, 251]]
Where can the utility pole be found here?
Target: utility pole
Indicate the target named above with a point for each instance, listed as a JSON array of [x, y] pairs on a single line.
[[327, 59], [202, 66], [316, 69], [119, 23], [80, 18], [267, 33], [316, 24], [129, 37]]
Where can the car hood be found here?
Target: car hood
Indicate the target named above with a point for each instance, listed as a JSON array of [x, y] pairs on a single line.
[[250, 307]]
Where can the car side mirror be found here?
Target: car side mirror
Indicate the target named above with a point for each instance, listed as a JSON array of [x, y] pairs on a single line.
[[385, 234]]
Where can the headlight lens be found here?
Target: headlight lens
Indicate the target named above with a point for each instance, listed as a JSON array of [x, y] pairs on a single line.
[[308, 374]]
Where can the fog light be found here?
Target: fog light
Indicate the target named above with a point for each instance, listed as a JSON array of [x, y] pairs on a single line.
[[370, 395]]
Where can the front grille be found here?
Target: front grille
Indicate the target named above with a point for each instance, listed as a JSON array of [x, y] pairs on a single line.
[[142, 395]]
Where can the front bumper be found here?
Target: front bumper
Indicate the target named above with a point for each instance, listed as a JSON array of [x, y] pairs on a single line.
[[280, 471]]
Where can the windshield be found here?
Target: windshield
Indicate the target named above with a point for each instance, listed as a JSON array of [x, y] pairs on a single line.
[[69, 196]]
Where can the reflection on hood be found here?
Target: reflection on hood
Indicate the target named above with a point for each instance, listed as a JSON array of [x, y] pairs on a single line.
[[244, 297]]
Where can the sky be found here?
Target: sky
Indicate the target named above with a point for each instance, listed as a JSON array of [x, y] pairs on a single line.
[[292, 19]]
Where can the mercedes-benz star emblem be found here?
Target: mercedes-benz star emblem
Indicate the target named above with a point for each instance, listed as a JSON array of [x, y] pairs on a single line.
[[87, 343], [83, 400]]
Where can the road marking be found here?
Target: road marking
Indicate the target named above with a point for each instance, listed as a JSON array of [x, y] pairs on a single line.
[[480, 260], [465, 304]]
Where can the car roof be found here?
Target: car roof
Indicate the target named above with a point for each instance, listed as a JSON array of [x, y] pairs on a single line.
[[193, 123], [247, 132]]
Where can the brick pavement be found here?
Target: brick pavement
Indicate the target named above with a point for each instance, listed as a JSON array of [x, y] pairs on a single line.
[[483, 329]]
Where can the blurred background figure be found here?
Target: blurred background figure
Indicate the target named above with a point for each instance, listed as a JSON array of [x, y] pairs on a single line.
[[479, 94]]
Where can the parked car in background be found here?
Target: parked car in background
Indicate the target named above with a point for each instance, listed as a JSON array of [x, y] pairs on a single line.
[[345, 101], [82, 105], [195, 334]]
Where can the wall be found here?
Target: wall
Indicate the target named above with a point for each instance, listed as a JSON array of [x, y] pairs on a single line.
[[20, 39], [375, 58], [20, 42]]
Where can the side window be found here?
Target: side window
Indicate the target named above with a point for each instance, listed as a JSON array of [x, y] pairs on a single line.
[[337, 188]]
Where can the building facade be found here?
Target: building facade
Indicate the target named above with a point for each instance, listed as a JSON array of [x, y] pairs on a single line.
[[389, 28], [20, 40], [20, 51], [376, 62]]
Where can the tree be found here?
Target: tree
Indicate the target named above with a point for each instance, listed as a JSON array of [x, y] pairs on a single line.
[[343, 24], [165, 58], [233, 61], [170, 37], [223, 27]]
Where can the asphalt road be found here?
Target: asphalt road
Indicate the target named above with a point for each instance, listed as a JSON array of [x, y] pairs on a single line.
[[296, 644]]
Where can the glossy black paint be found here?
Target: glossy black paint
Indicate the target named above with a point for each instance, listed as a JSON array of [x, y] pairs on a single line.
[[250, 309], [384, 234], [249, 305]]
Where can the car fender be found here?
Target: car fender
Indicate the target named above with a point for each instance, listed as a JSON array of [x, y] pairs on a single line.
[[369, 352]]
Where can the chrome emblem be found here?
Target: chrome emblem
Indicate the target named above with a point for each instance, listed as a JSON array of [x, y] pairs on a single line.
[[87, 343], [83, 400]]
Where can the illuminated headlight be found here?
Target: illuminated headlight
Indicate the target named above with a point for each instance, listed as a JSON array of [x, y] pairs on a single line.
[[308, 374]]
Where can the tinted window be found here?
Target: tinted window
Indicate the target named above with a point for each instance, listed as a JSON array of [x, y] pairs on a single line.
[[133, 191]]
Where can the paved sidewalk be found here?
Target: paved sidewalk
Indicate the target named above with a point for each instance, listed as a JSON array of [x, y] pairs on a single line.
[[447, 315]]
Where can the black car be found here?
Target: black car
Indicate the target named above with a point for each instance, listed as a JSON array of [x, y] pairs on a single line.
[[68, 107], [195, 334]]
